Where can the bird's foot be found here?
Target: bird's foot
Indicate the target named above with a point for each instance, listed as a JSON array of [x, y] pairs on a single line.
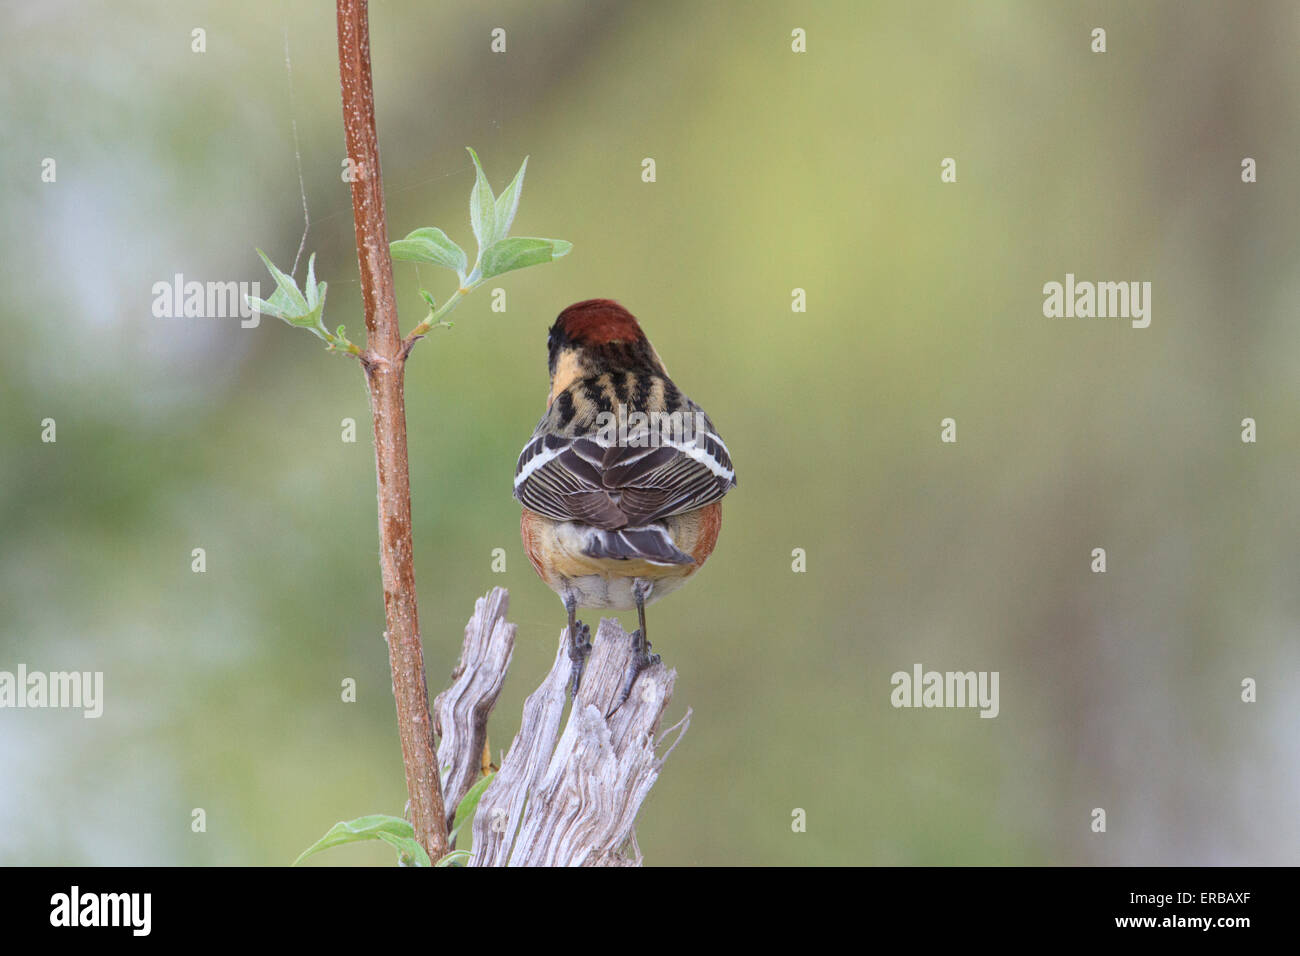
[[641, 659], [579, 651]]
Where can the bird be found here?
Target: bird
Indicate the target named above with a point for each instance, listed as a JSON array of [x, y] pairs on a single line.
[[621, 483]]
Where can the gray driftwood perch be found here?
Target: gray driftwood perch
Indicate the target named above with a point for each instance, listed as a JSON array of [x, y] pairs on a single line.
[[460, 714], [570, 801]]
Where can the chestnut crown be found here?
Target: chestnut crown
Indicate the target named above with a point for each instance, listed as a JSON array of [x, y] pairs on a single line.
[[595, 324]]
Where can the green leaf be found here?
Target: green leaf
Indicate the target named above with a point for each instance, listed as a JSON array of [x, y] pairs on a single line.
[[288, 304], [394, 831], [468, 805], [430, 244], [409, 851], [454, 858], [482, 206], [285, 284], [264, 307], [310, 321], [508, 203], [313, 294], [282, 303], [520, 252], [339, 342], [427, 296]]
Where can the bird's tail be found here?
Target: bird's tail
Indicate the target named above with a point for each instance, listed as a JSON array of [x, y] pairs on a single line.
[[650, 542]]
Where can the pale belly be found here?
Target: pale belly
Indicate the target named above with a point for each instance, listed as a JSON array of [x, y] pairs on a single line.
[[615, 593]]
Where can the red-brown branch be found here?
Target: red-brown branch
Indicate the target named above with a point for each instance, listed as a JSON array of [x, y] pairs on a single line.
[[384, 362]]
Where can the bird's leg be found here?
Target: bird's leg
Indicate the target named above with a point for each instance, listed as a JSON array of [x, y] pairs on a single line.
[[642, 658], [579, 644]]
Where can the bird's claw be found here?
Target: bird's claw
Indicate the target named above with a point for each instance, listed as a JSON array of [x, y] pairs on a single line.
[[579, 651], [641, 660]]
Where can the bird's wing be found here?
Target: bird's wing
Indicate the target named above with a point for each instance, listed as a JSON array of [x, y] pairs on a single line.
[[612, 484]]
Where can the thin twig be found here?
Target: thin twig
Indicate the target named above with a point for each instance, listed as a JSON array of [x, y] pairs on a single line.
[[384, 365]]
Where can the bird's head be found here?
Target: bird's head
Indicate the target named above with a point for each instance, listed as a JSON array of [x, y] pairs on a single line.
[[595, 336]]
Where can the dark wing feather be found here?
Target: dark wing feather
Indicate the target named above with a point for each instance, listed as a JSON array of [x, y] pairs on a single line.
[[672, 479], [561, 484], [614, 486]]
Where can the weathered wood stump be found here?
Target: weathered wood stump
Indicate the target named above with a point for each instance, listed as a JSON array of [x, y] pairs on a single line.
[[560, 798]]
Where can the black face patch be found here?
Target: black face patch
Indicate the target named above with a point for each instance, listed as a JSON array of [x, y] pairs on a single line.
[[552, 349]]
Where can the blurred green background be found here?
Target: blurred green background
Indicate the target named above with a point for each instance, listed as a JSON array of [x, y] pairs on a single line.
[[775, 170]]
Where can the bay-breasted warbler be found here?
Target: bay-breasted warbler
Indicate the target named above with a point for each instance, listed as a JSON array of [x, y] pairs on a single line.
[[622, 480]]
